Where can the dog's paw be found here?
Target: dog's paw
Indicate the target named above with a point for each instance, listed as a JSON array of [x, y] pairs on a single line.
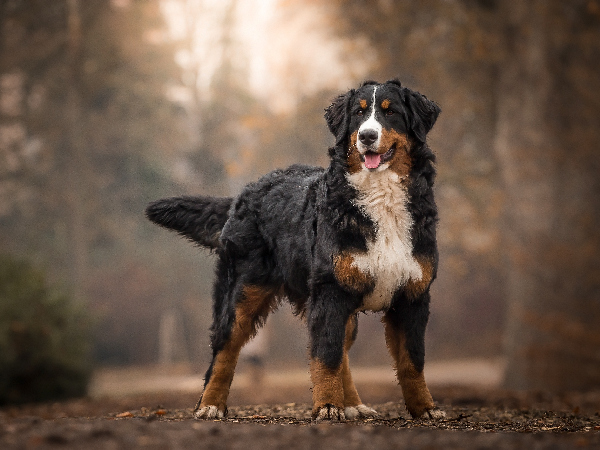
[[360, 412], [209, 413], [433, 414], [328, 412]]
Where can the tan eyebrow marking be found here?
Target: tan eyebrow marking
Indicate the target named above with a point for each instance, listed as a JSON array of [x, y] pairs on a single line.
[[385, 104], [363, 104]]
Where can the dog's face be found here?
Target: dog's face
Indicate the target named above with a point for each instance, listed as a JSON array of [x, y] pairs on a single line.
[[378, 123]]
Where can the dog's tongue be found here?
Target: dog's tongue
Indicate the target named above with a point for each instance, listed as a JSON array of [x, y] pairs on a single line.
[[372, 160]]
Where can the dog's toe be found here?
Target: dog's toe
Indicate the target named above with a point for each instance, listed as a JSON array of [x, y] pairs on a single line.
[[360, 412], [208, 413], [329, 412], [433, 414]]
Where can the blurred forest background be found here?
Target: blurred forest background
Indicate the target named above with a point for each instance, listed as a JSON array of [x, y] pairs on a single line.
[[106, 105]]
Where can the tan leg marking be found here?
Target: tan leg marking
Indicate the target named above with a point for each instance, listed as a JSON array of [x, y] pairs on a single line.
[[350, 276], [333, 387], [351, 397], [416, 395], [256, 304], [353, 406], [415, 288], [328, 391]]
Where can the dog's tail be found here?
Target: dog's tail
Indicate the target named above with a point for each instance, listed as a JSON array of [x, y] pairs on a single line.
[[199, 219]]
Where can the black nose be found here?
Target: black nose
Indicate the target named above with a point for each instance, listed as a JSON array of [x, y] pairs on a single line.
[[367, 137]]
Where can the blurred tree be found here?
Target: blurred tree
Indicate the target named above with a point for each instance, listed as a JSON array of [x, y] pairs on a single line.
[[89, 137], [218, 98], [547, 142], [45, 338]]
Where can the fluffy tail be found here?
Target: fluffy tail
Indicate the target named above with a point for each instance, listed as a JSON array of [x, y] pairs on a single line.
[[199, 219]]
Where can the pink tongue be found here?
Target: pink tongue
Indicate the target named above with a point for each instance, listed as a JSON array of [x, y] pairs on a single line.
[[372, 160]]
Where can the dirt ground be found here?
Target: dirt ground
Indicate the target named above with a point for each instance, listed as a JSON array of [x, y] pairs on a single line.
[[279, 417]]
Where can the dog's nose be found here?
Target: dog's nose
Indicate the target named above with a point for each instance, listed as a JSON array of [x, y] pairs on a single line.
[[367, 137]]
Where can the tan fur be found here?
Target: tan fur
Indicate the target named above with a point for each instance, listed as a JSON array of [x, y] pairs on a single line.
[[257, 303], [350, 276], [351, 397], [385, 104], [328, 388], [354, 162], [335, 387], [414, 288], [401, 161], [363, 103], [417, 398]]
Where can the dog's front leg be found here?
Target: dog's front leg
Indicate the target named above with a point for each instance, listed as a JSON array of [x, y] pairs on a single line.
[[405, 337], [328, 315], [328, 391], [353, 406]]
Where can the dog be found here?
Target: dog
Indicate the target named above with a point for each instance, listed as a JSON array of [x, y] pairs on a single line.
[[359, 235]]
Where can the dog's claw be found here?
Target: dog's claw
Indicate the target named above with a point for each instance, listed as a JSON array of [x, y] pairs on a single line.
[[209, 413], [329, 412], [433, 414], [360, 412]]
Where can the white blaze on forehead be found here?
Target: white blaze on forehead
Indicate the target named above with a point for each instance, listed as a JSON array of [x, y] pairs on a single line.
[[370, 124]]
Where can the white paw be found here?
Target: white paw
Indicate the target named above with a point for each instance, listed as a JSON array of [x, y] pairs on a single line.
[[208, 413], [359, 411], [329, 412], [433, 414]]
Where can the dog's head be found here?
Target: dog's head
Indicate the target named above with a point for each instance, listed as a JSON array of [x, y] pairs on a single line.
[[377, 124]]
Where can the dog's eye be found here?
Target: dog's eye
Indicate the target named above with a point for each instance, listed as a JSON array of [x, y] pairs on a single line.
[[360, 112], [389, 112]]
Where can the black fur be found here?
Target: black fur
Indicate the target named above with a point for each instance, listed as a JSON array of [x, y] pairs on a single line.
[[283, 231], [199, 219]]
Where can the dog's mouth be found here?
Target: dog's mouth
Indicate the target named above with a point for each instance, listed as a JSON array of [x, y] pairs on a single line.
[[373, 160]]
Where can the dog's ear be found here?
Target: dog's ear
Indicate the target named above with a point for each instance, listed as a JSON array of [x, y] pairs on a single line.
[[422, 113], [337, 116]]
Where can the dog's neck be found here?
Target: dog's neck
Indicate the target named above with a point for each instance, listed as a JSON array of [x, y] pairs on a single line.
[[383, 196]]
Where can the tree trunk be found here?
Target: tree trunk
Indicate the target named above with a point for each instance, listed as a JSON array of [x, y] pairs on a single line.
[[76, 161], [547, 135]]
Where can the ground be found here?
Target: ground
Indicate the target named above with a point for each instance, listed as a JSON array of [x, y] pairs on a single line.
[[478, 416]]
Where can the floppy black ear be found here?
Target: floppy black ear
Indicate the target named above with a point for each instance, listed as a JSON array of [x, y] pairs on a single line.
[[337, 116], [422, 114]]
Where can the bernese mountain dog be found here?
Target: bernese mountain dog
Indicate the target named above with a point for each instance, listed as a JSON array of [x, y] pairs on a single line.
[[357, 236]]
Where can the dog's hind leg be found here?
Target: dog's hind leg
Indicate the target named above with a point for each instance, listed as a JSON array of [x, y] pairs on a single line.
[[353, 406], [405, 337], [251, 310]]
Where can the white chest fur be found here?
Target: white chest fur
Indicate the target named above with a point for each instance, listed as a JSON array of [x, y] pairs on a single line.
[[389, 258]]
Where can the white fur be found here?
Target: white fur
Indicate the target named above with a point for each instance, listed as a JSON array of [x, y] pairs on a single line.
[[433, 414], [370, 124], [330, 413], [389, 258], [359, 411], [209, 412]]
